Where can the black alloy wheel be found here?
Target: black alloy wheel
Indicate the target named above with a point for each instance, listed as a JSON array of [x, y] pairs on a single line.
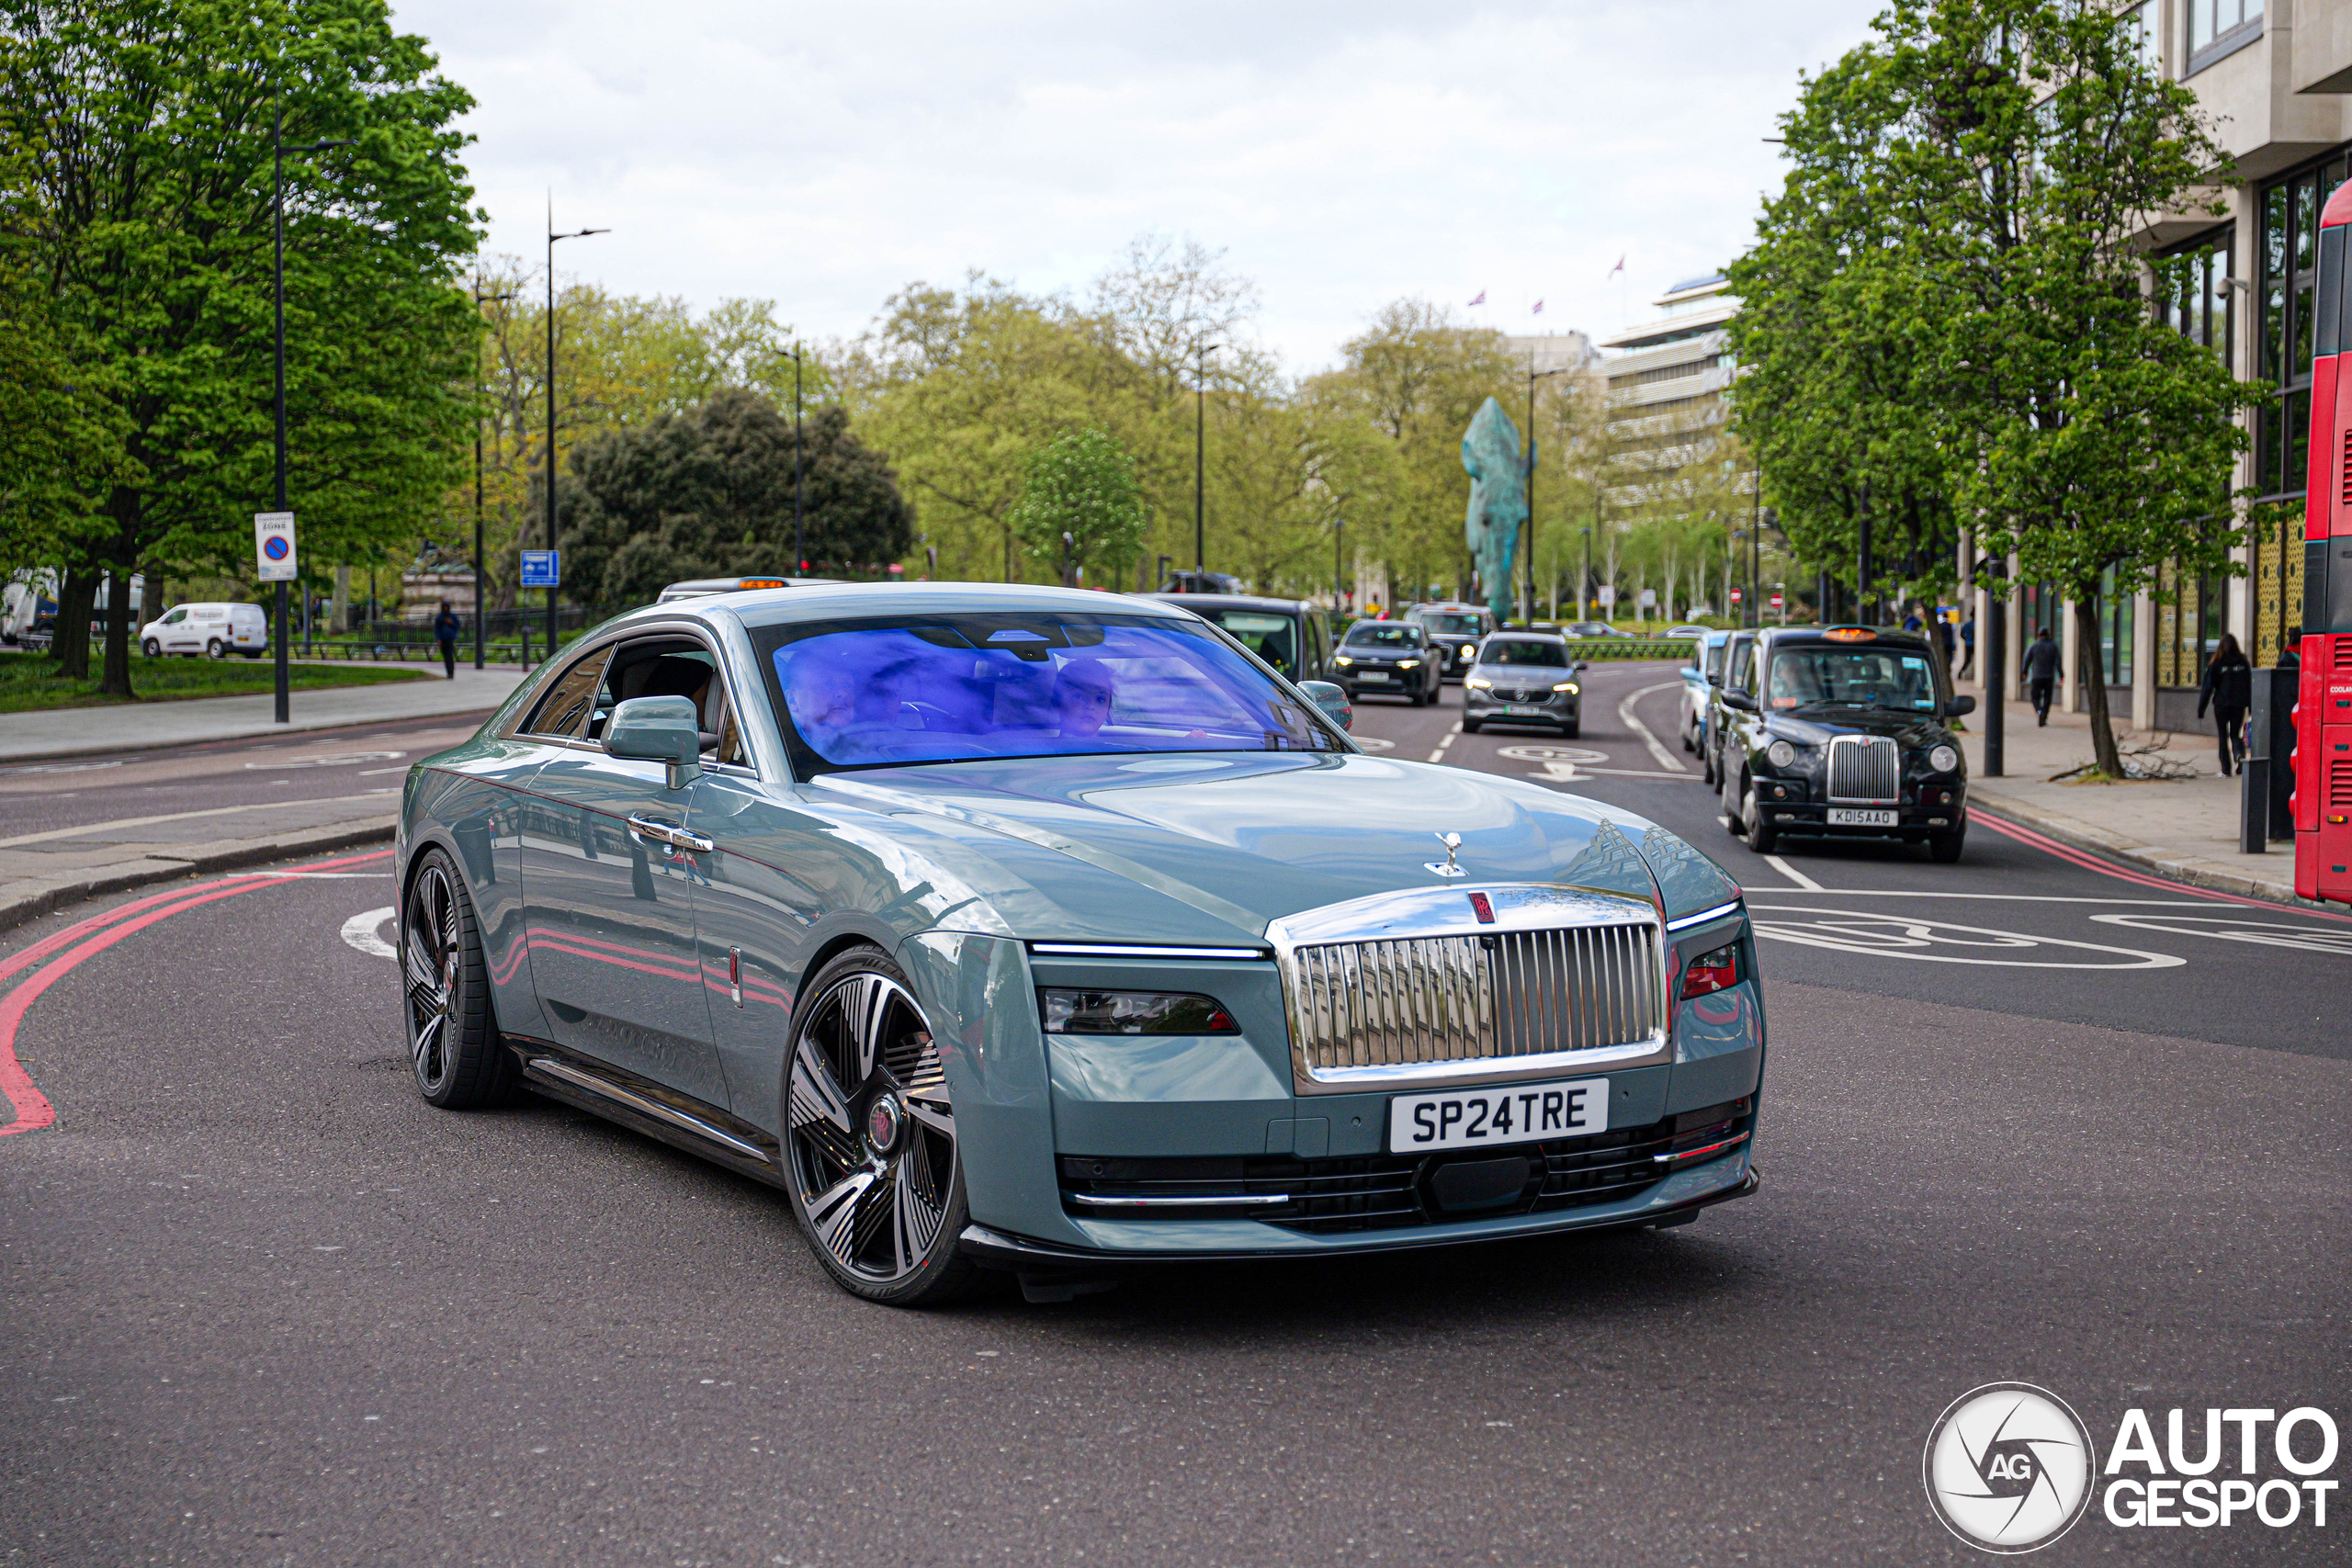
[[869, 1151], [453, 1044]]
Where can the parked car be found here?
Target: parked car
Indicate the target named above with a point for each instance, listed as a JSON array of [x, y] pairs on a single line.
[[1840, 733], [1591, 628], [1688, 631], [1201, 582], [1028, 929], [214, 630], [1456, 629], [1389, 658], [1737, 673], [1523, 678], [1699, 677], [1288, 634], [701, 587]]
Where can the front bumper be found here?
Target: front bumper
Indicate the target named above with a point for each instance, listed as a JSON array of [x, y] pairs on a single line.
[[1913, 818], [1397, 683], [1557, 707]]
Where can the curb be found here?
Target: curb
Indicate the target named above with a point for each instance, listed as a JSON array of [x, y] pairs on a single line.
[[295, 727], [16, 911], [2144, 859]]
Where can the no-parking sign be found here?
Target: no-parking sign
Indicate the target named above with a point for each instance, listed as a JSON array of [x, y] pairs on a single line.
[[274, 545]]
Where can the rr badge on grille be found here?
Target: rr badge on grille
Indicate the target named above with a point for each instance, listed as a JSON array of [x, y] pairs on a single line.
[[1452, 842]]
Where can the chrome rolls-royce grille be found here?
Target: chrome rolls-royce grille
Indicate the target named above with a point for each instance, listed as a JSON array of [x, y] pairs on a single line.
[[1864, 769], [1545, 977]]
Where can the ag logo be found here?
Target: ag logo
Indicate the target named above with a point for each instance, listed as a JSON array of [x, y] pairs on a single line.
[[2008, 1467]]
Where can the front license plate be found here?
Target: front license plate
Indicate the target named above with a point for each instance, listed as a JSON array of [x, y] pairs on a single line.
[[1496, 1115], [1858, 816], [1530, 710], [1370, 676]]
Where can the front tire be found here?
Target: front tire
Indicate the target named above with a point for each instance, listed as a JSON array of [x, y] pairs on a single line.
[[1760, 838], [453, 1045], [870, 1146], [216, 649], [1944, 848], [151, 648], [1471, 726]]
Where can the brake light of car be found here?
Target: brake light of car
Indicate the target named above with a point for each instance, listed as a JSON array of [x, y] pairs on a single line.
[[1711, 972], [1132, 1012]]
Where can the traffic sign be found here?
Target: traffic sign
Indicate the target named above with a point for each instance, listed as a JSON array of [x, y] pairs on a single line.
[[1776, 601], [542, 568], [1735, 596], [274, 546]]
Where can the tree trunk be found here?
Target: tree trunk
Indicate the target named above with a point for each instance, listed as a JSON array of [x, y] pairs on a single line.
[[2094, 677], [115, 681], [77, 589]]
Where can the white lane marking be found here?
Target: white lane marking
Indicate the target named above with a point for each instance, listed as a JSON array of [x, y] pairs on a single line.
[[1994, 898], [1804, 882], [338, 760], [2337, 941], [1665, 758], [359, 931], [1570, 772], [1551, 754], [1451, 736], [56, 768], [1908, 936], [371, 773]]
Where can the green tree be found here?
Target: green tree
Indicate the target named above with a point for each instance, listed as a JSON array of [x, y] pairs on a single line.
[[149, 128], [1079, 503], [1956, 240]]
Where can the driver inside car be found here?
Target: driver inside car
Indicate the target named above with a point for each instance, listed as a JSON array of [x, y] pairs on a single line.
[[1082, 697]]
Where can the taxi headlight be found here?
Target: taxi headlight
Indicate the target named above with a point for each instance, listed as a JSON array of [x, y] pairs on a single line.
[[1565, 686], [1479, 683], [1943, 759], [1780, 754], [1341, 659], [1408, 664]]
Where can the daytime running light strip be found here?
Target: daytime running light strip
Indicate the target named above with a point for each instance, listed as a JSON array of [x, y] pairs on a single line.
[[1703, 916], [1099, 950]]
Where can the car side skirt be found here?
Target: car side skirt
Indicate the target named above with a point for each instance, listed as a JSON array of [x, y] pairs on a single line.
[[652, 1109]]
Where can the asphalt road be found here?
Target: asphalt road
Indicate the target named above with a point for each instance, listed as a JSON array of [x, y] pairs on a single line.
[[265, 1306]]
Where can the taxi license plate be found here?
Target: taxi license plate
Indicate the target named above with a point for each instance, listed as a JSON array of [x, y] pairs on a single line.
[[1496, 1115], [1857, 817], [1530, 709], [1370, 676]]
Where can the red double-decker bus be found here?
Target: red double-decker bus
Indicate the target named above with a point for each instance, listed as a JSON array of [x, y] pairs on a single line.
[[2323, 783]]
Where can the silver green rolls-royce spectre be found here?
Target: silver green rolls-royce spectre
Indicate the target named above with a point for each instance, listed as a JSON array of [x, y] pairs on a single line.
[[1054, 932]]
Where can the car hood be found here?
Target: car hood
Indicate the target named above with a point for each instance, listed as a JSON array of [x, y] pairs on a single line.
[[1906, 729], [1206, 849]]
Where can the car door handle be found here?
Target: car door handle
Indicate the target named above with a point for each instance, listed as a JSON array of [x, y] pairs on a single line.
[[669, 833]]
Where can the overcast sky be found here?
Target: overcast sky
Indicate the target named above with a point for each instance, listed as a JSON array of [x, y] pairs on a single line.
[[1342, 154]]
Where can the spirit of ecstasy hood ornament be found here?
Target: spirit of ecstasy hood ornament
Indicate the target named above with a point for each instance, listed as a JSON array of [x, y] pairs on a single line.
[[1452, 842]]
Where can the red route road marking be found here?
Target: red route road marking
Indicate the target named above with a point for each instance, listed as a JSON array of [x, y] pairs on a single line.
[[2091, 863], [94, 936]]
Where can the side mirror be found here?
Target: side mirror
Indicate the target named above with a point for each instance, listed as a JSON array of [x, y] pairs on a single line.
[[1332, 701], [658, 730], [1959, 705], [1739, 700], [1579, 667]]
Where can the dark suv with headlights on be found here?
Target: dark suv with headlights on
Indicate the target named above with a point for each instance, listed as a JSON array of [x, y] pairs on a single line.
[[1840, 732], [1457, 629], [1389, 658], [1523, 678]]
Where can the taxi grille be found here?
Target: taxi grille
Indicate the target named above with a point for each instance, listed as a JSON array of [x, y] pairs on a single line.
[[1450, 998], [1864, 769], [1387, 1191]]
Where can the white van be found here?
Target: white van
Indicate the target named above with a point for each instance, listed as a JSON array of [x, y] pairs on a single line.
[[213, 630]]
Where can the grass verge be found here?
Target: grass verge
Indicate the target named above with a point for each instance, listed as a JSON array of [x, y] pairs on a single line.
[[30, 683]]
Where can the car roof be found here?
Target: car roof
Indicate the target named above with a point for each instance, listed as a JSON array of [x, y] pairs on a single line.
[[757, 607], [1781, 634], [1514, 633], [1230, 602], [696, 586]]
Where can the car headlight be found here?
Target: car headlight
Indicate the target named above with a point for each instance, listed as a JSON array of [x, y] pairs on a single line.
[[1565, 686], [1132, 1012], [1943, 759], [1780, 754], [1408, 664], [1341, 659], [1479, 683]]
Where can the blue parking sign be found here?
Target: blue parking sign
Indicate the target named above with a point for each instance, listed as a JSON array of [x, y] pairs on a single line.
[[542, 568]]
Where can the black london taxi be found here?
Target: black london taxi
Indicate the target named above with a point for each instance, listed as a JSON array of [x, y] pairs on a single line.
[[1839, 731]]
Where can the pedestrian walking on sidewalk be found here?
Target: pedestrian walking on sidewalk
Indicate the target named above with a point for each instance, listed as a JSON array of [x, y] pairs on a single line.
[[446, 627], [2041, 673], [1967, 647], [2229, 686]]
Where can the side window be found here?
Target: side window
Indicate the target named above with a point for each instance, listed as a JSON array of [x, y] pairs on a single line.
[[676, 667], [1313, 653], [564, 712], [730, 736], [176, 616]]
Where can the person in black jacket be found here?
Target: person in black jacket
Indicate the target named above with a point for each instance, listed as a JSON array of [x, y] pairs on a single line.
[[446, 627], [2229, 686], [2042, 661]]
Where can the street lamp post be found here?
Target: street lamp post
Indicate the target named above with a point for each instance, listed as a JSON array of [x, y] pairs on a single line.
[[799, 548], [1584, 577], [1200, 449], [1339, 561], [482, 602], [279, 150], [552, 238]]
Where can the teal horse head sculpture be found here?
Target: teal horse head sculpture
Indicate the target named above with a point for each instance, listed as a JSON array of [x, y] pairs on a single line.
[[1497, 500]]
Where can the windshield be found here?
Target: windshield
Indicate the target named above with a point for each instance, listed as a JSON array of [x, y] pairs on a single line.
[[945, 688], [1825, 676], [1544, 655], [1453, 625], [1384, 634], [1272, 638]]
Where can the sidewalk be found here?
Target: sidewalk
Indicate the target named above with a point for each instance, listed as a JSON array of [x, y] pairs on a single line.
[[2183, 829], [79, 732], [40, 872]]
